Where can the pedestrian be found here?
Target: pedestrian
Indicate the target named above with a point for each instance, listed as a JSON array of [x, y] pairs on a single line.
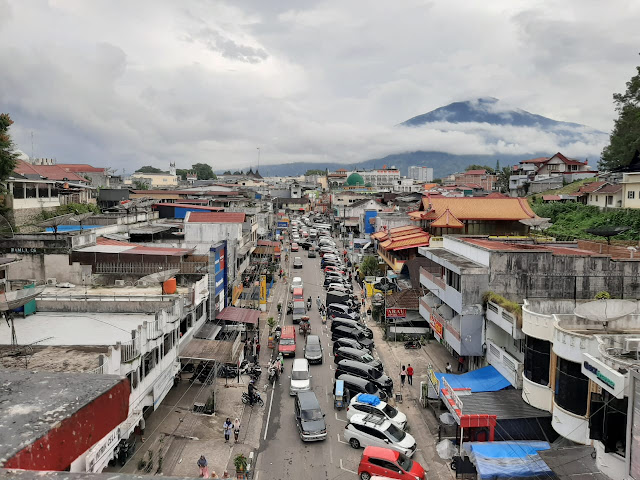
[[225, 474], [448, 368], [142, 425], [461, 364], [236, 429], [214, 474], [369, 313], [410, 374], [202, 465], [228, 428], [403, 374], [257, 350]]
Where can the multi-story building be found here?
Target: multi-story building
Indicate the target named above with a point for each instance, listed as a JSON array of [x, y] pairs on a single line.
[[156, 180], [480, 179], [421, 174], [384, 177]]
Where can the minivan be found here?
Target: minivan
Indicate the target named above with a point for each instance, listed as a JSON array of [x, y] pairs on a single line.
[[349, 342], [358, 355], [309, 417], [348, 332], [300, 377], [356, 385], [313, 349], [365, 371], [344, 322], [339, 310]]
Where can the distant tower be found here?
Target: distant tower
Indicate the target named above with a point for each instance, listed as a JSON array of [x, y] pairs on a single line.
[[172, 168]]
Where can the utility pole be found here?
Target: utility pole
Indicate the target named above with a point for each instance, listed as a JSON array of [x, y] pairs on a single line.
[[258, 158]]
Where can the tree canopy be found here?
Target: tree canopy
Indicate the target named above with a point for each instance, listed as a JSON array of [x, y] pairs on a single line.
[[149, 169], [502, 183], [8, 155], [314, 171], [140, 184], [625, 136], [182, 173], [480, 167], [203, 171], [369, 266]]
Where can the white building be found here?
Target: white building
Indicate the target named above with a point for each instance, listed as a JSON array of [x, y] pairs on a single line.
[[421, 174], [384, 177]]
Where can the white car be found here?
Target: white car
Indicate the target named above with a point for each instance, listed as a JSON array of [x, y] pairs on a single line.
[[300, 378], [364, 404], [367, 430], [296, 283]]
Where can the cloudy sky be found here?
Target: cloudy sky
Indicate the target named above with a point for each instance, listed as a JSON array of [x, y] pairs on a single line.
[[126, 83]]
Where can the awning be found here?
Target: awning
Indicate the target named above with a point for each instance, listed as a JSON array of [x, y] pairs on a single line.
[[486, 379], [244, 250], [210, 350], [505, 405], [240, 315]]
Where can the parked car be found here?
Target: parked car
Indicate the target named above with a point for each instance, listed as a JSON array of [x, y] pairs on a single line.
[[297, 262], [388, 463], [355, 385], [349, 332], [309, 417], [364, 430], [365, 371], [365, 403], [357, 354], [349, 342], [342, 311], [346, 322]]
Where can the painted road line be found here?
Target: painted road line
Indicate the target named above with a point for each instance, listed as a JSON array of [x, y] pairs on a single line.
[[341, 441], [331, 366], [330, 455], [340, 420], [266, 427], [346, 469]]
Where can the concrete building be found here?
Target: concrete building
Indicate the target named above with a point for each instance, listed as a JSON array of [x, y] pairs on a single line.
[[478, 178], [421, 174], [547, 173], [384, 177], [396, 246], [98, 177], [155, 180]]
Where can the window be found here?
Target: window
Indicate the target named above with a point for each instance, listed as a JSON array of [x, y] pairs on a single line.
[[608, 422], [572, 387], [596, 198], [631, 194], [536, 360], [609, 200], [453, 279]]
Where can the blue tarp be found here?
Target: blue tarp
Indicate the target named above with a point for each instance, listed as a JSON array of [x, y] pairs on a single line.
[[508, 459], [369, 399], [71, 228], [486, 379]]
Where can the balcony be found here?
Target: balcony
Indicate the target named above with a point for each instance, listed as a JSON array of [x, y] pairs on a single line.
[[536, 324], [505, 320], [508, 366], [569, 425], [394, 263], [448, 294], [536, 395], [427, 279]]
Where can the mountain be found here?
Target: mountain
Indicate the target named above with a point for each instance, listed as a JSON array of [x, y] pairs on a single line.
[[483, 117]]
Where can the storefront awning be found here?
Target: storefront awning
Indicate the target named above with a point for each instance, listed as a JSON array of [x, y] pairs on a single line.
[[209, 350], [241, 315], [486, 379]]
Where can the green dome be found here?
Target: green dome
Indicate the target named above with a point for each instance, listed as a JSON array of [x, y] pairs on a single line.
[[355, 179]]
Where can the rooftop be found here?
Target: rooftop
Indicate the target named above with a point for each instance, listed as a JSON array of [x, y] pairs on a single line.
[[50, 172], [54, 359], [527, 247], [215, 217], [476, 208], [106, 245]]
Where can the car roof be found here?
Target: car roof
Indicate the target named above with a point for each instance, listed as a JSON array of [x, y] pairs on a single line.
[[313, 338], [379, 406], [381, 452], [355, 364], [300, 363], [308, 399], [353, 379], [354, 351], [297, 279], [371, 420]]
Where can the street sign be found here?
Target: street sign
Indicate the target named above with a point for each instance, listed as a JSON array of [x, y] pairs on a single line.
[[396, 313], [283, 224]]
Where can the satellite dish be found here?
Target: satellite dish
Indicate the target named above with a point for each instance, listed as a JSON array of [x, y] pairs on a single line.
[[9, 301], [159, 277], [81, 217], [6, 230], [607, 231], [605, 310], [537, 223], [55, 222]]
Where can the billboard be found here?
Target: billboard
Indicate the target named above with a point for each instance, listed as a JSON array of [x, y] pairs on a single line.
[[218, 278], [396, 313]]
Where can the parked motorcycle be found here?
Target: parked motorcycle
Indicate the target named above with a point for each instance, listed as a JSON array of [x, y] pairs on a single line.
[[257, 399], [412, 345]]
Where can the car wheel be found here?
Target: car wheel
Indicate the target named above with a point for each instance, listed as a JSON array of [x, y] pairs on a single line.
[[365, 476], [354, 443]]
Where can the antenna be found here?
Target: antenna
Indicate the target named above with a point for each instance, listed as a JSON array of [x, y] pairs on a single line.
[[9, 301], [32, 154], [55, 222], [159, 277]]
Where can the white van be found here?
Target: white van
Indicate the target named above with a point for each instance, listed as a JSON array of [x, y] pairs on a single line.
[[300, 378]]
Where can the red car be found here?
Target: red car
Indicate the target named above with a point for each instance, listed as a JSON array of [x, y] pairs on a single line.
[[331, 268], [384, 462], [294, 247]]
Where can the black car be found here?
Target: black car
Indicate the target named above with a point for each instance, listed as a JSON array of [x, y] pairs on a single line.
[[365, 371], [309, 417], [343, 311], [356, 334], [355, 385], [305, 244], [357, 354], [329, 280], [349, 342], [345, 322]]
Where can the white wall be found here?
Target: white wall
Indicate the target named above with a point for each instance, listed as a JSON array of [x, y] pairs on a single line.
[[467, 250]]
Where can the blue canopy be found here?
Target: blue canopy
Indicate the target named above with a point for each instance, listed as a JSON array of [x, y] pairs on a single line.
[[369, 399], [509, 459], [486, 379]]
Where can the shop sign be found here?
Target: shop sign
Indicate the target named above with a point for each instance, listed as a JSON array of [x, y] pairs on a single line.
[[436, 325], [396, 313], [263, 289], [100, 453], [433, 379], [609, 379], [283, 224]]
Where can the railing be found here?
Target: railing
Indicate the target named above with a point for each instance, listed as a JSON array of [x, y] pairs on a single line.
[[130, 350], [154, 329], [97, 371], [78, 297], [149, 268], [437, 280]]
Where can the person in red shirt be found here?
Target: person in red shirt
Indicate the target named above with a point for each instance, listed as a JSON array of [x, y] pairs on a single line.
[[410, 374]]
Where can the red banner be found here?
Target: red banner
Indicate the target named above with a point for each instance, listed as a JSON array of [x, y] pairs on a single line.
[[436, 325], [396, 313]]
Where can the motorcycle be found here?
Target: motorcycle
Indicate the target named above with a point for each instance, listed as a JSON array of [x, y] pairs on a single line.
[[256, 399], [309, 304], [273, 374], [412, 345]]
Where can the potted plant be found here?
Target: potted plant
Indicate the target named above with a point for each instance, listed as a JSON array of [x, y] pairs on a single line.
[[240, 462], [271, 322]]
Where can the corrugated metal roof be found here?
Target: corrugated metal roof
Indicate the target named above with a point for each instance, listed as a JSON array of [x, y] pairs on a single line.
[[215, 217], [241, 315]]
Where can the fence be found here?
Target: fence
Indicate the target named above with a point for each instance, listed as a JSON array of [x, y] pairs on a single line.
[[149, 268]]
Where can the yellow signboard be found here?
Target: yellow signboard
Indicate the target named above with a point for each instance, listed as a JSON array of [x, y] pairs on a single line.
[[263, 289]]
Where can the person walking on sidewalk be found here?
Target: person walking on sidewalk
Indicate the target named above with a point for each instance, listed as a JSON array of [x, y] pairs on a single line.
[[228, 428], [448, 368], [202, 465], [410, 374], [236, 429], [403, 375], [461, 364]]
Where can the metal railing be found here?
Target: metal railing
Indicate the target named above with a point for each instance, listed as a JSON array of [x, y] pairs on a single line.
[[149, 268], [130, 350]]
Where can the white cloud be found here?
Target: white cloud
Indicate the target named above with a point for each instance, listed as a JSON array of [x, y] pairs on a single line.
[[315, 81]]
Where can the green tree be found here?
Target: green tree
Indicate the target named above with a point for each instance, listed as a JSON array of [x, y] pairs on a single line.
[[203, 171], [625, 136], [369, 266], [139, 184], [8, 155], [149, 169], [503, 179], [182, 173], [314, 171], [227, 172], [480, 167]]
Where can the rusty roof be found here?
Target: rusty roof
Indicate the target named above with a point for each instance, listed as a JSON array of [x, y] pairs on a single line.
[[215, 217], [240, 315]]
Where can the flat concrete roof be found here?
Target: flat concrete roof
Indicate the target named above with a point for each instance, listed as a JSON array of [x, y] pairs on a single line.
[[111, 291], [53, 359], [454, 259], [71, 328], [32, 403]]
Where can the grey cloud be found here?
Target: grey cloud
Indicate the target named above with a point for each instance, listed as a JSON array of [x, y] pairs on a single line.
[[225, 46]]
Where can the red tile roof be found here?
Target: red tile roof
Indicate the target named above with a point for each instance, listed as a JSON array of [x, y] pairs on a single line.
[[609, 189], [215, 217], [475, 172], [139, 249], [591, 187], [536, 160], [551, 198], [497, 195], [80, 167], [187, 205], [556, 250], [47, 172]]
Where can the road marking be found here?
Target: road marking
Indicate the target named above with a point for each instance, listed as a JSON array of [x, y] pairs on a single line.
[[331, 366], [266, 427], [340, 420], [330, 455], [346, 469], [341, 441]]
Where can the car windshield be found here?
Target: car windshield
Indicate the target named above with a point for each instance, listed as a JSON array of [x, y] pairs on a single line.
[[405, 462], [375, 374], [299, 375], [366, 358], [395, 433], [390, 411], [311, 414], [298, 311], [370, 388], [287, 341]]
